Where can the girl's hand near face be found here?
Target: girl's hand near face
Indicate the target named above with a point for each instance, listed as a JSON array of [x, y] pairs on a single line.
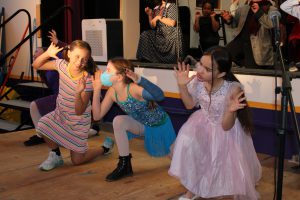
[[213, 14], [133, 76], [53, 37], [97, 84], [236, 102], [182, 74], [198, 14], [53, 50], [81, 84]]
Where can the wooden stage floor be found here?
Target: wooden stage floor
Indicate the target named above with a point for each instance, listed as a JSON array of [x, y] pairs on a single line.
[[20, 178]]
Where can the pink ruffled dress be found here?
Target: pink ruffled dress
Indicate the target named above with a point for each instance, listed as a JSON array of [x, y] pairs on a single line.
[[209, 161]]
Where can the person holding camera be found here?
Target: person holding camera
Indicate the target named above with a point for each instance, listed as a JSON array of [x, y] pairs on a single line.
[[252, 47]]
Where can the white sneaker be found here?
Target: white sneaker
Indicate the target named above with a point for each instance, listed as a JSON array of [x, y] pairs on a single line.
[[52, 162], [293, 69], [108, 143], [92, 132]]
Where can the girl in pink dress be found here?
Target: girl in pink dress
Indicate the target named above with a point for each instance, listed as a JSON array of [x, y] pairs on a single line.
[[213, 155]]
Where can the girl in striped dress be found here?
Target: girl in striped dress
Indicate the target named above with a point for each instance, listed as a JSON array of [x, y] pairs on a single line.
[[137, 97], [69, 123]]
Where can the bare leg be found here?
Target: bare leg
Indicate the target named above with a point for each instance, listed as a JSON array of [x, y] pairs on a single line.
[[50, 143], [80, 158]]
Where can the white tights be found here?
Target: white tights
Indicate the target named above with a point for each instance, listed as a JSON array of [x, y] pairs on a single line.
[[121, 124], [35, 114]]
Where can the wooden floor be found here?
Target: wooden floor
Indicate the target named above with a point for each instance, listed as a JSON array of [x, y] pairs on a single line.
[[20, 178]]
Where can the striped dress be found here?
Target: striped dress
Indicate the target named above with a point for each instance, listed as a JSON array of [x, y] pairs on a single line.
[[62, 125]]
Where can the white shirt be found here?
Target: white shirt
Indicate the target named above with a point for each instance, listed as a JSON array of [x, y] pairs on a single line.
[[291, 7]]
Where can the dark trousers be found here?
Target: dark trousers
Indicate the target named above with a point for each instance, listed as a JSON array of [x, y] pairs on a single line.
[[241, 52]]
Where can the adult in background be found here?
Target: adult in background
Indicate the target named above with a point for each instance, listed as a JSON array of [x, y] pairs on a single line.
[[160, 44], [252, 47]]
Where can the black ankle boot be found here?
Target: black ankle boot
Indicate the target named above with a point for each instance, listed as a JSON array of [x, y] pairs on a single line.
[[123, 169]]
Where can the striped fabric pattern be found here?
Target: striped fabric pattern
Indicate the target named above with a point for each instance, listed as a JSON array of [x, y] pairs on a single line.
[[62, 125]]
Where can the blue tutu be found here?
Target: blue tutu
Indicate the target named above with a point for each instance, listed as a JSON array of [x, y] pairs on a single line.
[[158, 139]]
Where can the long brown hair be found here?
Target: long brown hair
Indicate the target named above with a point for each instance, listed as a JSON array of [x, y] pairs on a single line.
[[222, 58], [121, 65], [90, 66]]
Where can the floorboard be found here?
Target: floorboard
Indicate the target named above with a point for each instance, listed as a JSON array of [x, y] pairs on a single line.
[[20, 178]]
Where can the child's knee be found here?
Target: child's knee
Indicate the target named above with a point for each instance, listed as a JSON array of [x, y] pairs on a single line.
[[76, 160], [118, 121], [33, 107]]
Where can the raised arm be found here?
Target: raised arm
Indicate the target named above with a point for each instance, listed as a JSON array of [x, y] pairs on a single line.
[[149, 13], [149, 90], [232, 16], [167, 21], [42, 62], [182, 77], [234, 6], [170, 19], [261, 16], [291, 7], [53, 38], [214, 22], [196, 23], [235, 102], [99, 109], [82, 97]]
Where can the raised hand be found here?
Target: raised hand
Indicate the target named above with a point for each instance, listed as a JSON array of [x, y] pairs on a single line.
[[182, 74], [133, 76], [81, 84], [226, 15], [213, 14], [97, 84], [236, 102], [53, 37], [53, 50], [198, 14], [148, 11]]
